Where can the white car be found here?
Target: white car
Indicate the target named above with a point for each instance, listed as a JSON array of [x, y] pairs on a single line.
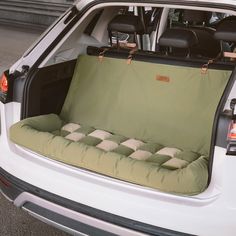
[[120, 120]]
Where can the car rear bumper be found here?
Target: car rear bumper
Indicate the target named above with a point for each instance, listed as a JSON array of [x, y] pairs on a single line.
[[71, 217], [70, 221]]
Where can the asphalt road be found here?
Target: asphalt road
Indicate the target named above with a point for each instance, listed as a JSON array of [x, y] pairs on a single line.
[[13, 221]]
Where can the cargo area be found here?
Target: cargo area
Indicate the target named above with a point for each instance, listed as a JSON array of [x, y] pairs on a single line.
[[128, 113]]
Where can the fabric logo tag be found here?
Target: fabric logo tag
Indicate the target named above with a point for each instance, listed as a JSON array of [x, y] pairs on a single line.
[[163, 78]]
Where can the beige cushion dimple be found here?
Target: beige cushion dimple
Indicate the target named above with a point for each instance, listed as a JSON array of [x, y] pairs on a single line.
[[167, 151], [133, 143], [75, 136], [100, 134], [71, 127], [140, 155], [107, 145], [175, 163]]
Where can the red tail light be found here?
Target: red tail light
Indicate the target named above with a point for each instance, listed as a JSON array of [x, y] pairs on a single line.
[[232, 131], [4, 83]]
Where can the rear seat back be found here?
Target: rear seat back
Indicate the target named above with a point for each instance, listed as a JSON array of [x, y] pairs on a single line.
[[226, 35], [166, 104], [174, 39], [129, 24], [194, 17], [226, 30], [207, 46]]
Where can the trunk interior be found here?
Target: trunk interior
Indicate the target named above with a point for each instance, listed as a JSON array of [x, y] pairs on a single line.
[[137, 116]]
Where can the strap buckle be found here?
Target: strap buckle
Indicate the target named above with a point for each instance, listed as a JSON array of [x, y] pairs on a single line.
[[206, 66]]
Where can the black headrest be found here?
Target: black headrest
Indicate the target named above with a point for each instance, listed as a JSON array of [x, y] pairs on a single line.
[[226, 30], [178, 38], [196, 16], [126, 24]]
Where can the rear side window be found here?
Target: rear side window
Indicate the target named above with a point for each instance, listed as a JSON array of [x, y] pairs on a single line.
[[176, 19]]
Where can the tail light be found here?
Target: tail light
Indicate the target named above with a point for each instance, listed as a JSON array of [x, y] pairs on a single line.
[[3, 84], [232, 131], [231, 148]]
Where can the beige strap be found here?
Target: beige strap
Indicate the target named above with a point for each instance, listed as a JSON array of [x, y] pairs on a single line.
[[131, 54], [101, 54], [231, 55], [128, 45], [205, 67]]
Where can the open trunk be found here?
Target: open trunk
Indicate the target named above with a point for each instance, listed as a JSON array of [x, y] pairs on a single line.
[[148, 122]]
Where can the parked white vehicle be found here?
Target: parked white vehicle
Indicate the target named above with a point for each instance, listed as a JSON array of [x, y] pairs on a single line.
[[188, 48]]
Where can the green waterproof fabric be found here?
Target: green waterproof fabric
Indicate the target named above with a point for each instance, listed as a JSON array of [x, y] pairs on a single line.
[[129, 100], [170, 106]]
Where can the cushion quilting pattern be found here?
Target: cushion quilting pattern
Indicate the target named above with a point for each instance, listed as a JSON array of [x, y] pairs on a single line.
[[133, 148]]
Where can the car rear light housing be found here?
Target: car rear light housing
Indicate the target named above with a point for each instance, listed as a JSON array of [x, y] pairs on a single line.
[[5, 88], [231, 136]]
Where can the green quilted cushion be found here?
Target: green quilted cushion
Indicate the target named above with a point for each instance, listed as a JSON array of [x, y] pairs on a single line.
[[149, 164]]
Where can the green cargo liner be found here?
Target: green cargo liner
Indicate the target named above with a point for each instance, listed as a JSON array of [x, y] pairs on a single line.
[[144, 123]]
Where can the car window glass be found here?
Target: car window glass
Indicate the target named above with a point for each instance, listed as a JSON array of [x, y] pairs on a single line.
[[175, 18]]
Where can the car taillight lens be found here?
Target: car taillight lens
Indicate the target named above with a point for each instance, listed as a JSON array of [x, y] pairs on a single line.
[[4, 84], [231, 136], [232, 131]]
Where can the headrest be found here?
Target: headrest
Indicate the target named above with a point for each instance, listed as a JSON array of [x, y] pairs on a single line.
[[126, 24], [196, 16], [226, 30], [178, 38]]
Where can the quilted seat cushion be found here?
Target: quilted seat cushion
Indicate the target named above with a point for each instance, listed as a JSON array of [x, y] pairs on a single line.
[[149, 164], [168, 157]]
